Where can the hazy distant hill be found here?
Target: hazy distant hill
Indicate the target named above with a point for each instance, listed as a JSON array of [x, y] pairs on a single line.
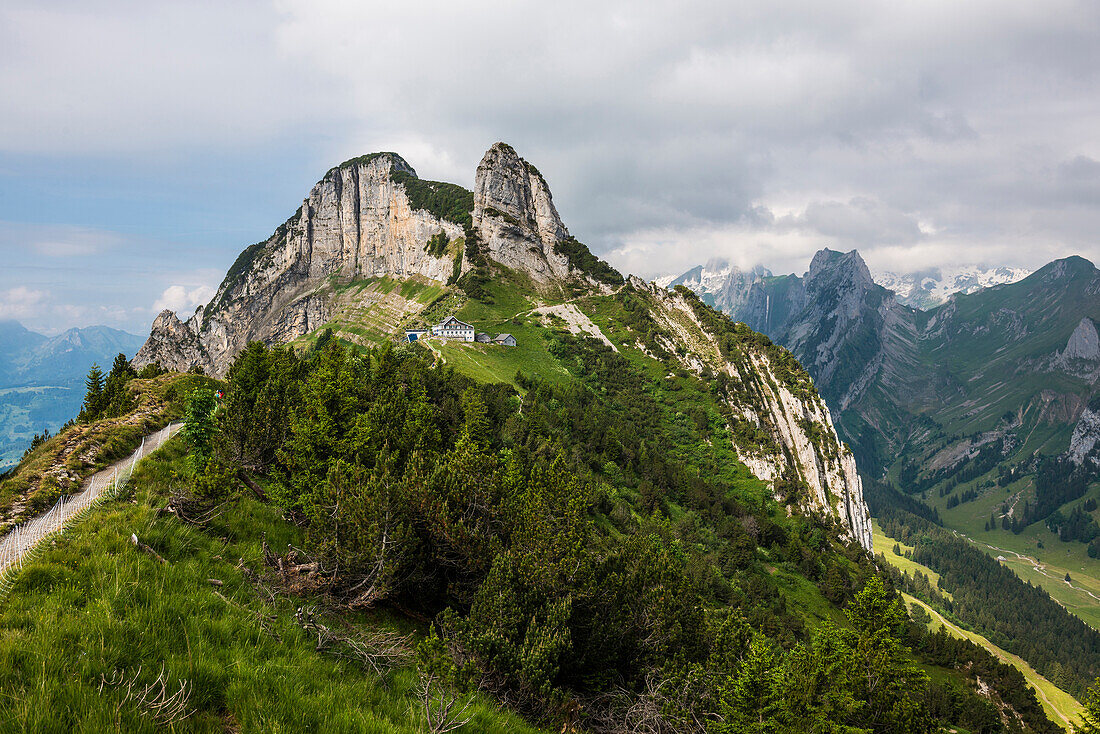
[[41, 378]]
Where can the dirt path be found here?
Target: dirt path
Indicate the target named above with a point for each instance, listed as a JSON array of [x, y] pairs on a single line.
[[431, 348], [1036, 565], [15, 546]]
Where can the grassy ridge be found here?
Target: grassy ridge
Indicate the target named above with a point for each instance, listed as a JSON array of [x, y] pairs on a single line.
[[92, 604]]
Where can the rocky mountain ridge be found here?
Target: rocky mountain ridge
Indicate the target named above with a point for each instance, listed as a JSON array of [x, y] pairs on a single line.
[[372, 217], [930, 384], [371, 220], [800, 441]]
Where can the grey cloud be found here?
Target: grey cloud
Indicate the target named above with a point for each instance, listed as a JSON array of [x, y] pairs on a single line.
[[860, 222], [920, 132]]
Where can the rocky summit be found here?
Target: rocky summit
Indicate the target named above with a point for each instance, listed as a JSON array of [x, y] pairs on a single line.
[[374, 249], [515, 217], [372, 217]]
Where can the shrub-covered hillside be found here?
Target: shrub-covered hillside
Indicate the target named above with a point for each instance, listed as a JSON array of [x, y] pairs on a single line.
[[581, 551], [568, 558]]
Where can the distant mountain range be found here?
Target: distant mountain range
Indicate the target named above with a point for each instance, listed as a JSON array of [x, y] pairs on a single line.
[[719, 283], [928, 288], [41, 378]]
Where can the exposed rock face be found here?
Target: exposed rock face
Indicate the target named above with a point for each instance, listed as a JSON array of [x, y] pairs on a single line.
[[1084, 343], [1086, 435], [358, 221], [174, 344], [827, 467], [803, 441], [515, 216]]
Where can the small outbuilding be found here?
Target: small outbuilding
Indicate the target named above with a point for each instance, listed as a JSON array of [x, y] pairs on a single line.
[[413, 335], [483, 338], [505, 340]]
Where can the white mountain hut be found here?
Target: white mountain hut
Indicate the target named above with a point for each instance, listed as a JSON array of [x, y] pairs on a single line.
[[452, 328]]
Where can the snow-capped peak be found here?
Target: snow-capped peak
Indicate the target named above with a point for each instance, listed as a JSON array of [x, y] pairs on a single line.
[[927, 288]]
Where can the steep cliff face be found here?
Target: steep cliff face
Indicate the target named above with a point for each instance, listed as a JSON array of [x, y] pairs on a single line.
[[515, 216], [519, 227], [1084, 342], [358, 221], [781, 428]]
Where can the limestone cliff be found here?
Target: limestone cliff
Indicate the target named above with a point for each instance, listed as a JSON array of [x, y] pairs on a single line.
[[358, 221], [1084, 343], [373, 217], [780, 426], [519, 227]]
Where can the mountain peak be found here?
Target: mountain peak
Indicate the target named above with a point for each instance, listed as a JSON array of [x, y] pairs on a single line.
[[509, 188], [1073, 266], [384, 159], [831, 264], [516, 220]]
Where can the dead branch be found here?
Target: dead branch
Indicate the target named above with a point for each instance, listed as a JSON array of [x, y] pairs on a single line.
[[247, 481], [378, 650], [441, 712], [141, 546], [191, 509], [660, 708]]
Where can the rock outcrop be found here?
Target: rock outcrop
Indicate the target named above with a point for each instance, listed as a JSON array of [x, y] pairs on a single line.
[[518, 226], [1086, 436], [800, 442], [1084, 342], [515, 216], [358, 222]]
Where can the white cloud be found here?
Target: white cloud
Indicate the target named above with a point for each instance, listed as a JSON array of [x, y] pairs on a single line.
[[183, 300], [22, 303]]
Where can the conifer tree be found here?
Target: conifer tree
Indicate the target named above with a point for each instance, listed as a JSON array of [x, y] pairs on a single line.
[[198, 427], [1090, 717], [117, 400], [93, 396]]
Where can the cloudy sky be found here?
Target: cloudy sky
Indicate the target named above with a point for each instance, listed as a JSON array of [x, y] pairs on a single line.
[[143, 145]]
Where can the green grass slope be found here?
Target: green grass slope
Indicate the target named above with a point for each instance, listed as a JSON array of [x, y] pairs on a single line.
[[92, 606]]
